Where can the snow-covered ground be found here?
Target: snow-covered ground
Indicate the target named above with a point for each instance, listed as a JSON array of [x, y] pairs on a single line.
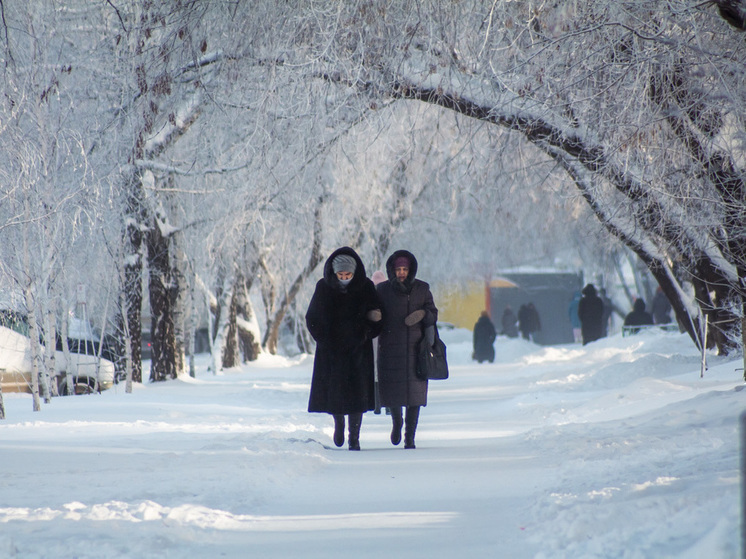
[[616, 449]]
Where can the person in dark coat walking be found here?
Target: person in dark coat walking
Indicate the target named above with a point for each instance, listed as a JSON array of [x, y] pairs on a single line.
[[509, 323], [344, 315], [408, 309], [590, 313], [661, 308], [638, 317], [484, 339], [528, 321]]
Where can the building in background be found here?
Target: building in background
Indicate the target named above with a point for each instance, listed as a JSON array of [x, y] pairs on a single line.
[[461, 305], [550, 292]]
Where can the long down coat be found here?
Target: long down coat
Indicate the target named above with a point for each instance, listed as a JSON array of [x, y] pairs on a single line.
[[398, 384], [484, 339], [342, 380], [590, 313]]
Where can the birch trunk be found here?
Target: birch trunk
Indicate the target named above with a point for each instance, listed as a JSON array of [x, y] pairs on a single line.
[[221, 325], [49, 384], [36, 356]]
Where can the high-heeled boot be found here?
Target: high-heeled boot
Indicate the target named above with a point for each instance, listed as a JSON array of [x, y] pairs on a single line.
[[353, 439], [397, 423], [410, 425], [339, 429]]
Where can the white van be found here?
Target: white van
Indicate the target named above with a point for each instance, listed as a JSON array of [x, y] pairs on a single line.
[[89, 372]]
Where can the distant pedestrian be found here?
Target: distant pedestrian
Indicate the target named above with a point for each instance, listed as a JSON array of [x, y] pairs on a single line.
[[344, 315], [528, 321], [378, 277], [484, 339], [660, 307], [509, 323], [590, 313], [638, 317]]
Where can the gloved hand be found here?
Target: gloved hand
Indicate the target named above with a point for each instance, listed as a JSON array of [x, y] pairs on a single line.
[[413, 318], [374, 315], [430, 335]]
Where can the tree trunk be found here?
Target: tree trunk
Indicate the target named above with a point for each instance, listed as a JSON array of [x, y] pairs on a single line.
[[128, 372], [36, 357], [230, 346], [50, 375], [133, 274], [163, 292], [733, 11], [183, 316], [692, 122], [49, 348], [247, 327], [221, 312], [69, 387]]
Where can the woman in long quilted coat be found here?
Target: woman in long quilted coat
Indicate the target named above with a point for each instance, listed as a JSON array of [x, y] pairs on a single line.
[[343, 317], [408, 309]]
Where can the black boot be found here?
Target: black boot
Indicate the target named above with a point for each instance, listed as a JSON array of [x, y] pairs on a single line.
[[413, 414], [339, 429], [397, 422], [355, 420]]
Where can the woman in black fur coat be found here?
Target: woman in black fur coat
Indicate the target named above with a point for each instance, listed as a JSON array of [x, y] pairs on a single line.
[[343, 317]]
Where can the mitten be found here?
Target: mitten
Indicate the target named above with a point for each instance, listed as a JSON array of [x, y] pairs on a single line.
[[374, 315], [413, 318], [430, 335]]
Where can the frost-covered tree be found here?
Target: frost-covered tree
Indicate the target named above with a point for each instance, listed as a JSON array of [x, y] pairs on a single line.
[[226, 148], [640, 104], [49, 187]]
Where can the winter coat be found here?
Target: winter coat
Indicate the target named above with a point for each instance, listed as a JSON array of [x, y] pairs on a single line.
[[661, 308], [590, 313], [528, 320], [638, 317], [509, 321], [484, 340], [342, 380], [398, 384]]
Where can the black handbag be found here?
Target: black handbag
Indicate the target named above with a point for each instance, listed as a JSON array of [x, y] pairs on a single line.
[[432, 363]]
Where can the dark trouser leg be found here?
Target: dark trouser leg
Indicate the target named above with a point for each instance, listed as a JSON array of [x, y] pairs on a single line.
[[410, 425], [397, 422], [355, 420], [339, 429]]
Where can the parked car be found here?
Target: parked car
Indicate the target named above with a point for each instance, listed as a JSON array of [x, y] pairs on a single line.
[[15, 366], [91, 347]]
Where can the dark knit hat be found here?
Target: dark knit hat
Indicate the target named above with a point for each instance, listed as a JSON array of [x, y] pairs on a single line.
[[344, 263], [401, 262]]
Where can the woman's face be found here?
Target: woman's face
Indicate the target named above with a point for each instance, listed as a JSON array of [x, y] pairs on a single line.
[[401, 273], [344, 276]]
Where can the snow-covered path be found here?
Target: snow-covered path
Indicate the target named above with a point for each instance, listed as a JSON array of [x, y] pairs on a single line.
[[617, 449]]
